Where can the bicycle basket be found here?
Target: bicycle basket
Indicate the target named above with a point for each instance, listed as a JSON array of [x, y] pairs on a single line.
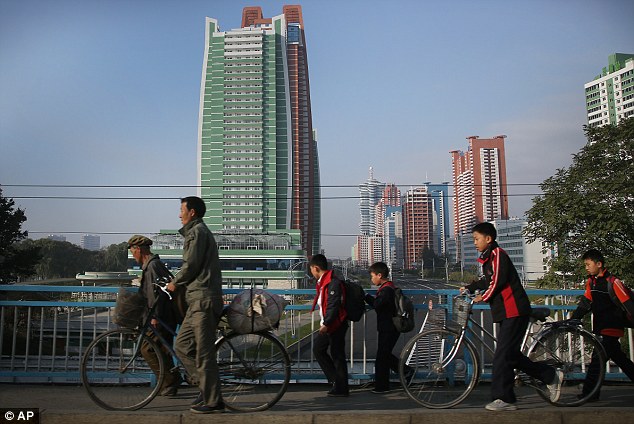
[[129, 310], [461, 310]]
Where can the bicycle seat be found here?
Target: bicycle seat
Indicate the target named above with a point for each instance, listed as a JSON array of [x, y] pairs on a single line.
[[540, 314]]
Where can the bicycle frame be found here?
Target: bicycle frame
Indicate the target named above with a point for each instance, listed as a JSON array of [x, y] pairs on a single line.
[[148, 327], [485, 335], [529, 341]]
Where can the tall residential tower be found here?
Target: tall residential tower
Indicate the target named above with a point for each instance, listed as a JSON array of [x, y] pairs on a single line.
[[610, 96], [479, 181], [257, 155]]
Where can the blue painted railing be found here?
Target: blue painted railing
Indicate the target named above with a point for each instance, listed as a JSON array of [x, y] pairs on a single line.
[[42, 340]]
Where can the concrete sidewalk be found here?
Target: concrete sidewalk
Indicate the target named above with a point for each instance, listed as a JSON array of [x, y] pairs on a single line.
[[308, 404]]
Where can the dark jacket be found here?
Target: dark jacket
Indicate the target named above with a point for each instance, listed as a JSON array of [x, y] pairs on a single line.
[[606, 316], [332, 293], [502, 287], [200, 271], [152, 270], [385, 307]]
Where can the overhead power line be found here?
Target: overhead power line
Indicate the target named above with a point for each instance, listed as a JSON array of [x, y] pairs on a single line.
[[220, 186], [231, 199]]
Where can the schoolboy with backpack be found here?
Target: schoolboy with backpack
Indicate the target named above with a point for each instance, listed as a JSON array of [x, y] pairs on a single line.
[[384, 303], [608, 299], [330, 301]]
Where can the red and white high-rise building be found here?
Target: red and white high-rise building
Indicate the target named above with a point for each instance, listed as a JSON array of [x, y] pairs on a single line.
[[479, 182], [418, 223]]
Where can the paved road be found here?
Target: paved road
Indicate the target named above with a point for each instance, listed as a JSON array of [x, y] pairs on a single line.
[[307, 403]]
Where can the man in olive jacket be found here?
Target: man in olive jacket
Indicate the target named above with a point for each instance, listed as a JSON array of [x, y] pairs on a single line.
[[201, 274]]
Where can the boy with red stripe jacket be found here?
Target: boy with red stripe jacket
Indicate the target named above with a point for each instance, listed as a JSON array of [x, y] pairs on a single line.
[[330, 299], [607, 321], [510, 308]]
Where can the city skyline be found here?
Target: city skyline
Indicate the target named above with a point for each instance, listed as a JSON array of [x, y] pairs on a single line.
[[102, 94]]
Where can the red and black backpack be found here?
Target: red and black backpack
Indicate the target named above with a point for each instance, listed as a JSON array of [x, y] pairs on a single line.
[[623, 297]]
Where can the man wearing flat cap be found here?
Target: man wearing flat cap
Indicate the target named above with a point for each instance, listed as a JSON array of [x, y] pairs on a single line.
[[153, 269]]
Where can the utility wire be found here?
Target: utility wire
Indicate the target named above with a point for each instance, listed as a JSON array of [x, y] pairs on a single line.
[[243, 199], [220, 186]]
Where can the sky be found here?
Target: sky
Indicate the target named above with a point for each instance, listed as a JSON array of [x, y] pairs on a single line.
[[99, 99]]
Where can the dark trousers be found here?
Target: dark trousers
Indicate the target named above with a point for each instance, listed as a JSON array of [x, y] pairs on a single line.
[[334, 364], [172, 375], [509, 357], [385, 360], [613, 350]]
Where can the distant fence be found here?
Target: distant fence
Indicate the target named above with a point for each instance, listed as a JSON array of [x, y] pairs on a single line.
[[41, 340]]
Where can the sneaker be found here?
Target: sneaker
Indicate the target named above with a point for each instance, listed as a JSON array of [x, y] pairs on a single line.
[[500, 405], [199, 399], [205, 409], [554, 388]]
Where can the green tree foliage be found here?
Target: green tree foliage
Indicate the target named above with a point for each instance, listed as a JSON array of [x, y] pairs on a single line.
[[590, 205], [15, 261], [114, 258], [61, 259]]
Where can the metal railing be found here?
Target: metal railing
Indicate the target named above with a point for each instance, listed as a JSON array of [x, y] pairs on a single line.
[[42, 340]]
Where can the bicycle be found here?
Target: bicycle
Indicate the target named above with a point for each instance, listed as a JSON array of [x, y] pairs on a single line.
[[254, 368], [447, 366]]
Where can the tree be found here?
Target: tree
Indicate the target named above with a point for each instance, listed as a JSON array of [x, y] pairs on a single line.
[[14, 261], [115, 257], [590, 205]]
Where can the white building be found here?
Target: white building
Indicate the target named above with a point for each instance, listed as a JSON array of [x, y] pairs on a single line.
[[368, 250], [529, 261], [610, 96], [369, 195], [90, 242], [393, 238]]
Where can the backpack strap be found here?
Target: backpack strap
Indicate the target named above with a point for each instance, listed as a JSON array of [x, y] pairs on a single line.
[[386, 284]]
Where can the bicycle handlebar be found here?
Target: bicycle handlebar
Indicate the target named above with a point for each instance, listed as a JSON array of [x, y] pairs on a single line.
[[165, 281], [466, 293]]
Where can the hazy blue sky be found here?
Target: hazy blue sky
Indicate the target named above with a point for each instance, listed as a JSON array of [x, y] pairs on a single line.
[[107, 93]]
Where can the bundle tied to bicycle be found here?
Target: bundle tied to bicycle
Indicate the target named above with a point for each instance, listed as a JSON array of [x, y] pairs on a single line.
[[130, 307], [255, 310]]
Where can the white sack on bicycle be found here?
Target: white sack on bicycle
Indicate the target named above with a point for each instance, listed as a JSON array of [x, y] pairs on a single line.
[[255, 310]]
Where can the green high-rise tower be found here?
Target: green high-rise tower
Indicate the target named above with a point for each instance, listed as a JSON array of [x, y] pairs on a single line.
[[257, 159]]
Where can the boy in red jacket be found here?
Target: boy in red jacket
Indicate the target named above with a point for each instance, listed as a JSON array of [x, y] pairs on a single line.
[[510, 307], [333, 326], [607, 322]]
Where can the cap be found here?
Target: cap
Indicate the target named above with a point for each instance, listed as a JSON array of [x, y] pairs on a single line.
[[138, 240]]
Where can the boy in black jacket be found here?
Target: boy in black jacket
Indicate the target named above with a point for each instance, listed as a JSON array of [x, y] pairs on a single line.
[[385, 307], [510, 307], [607, 323]]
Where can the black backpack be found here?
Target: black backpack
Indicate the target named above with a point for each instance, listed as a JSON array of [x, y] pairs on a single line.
[[404, 316], [625, 301], [354, 300]]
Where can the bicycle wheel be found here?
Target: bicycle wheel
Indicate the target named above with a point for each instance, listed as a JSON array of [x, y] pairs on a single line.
[[437, 369], [115, 374], [254, 370], [570, 349]]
